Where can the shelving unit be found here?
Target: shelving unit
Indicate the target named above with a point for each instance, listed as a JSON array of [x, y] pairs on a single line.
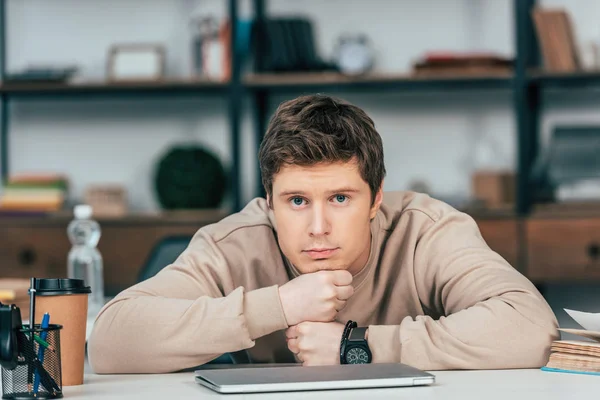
[[259, 86], [526, 84]]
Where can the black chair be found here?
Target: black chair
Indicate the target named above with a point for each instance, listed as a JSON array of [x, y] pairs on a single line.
[[164, 253]]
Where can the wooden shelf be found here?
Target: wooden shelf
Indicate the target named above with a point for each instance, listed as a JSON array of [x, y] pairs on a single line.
[[184, 217], [377, 81], [167, 86]]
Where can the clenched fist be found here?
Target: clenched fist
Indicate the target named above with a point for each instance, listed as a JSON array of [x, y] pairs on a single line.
[[315, 297], [315, 343]]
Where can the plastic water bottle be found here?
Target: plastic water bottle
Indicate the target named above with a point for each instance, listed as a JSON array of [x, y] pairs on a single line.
[[85, 261]]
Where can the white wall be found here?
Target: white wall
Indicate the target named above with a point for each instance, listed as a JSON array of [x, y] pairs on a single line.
[[435, 137]]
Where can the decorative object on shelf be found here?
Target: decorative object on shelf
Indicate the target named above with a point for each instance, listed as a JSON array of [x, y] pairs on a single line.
[[189, 177], [107, 200], [494, 189], [354, 54], [590, 56], [38, 74], [133, 62], [205, 35], [455, 63], [286, 45], [568, 169], [556, 39], [211, 49]]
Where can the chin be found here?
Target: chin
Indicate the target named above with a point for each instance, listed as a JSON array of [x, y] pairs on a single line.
[[320, 265]]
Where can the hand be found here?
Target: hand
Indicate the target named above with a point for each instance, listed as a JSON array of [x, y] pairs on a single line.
[[316, 343], [315, 297]]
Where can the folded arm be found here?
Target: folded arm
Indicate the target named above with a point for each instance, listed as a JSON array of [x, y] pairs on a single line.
[[492, 317], [187, 315]]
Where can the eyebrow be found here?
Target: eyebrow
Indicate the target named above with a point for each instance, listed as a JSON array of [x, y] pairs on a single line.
[[301, 193]]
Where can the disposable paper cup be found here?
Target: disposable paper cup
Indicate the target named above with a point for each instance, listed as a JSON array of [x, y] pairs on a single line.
[[66, 300]]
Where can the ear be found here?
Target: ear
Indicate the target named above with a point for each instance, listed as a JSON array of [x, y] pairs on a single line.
[[377, 202], [269, 204]]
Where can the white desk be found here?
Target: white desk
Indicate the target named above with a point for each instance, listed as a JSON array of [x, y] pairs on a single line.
[[531, 384]]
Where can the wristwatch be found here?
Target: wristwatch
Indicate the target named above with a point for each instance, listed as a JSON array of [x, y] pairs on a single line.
[[355, 348]]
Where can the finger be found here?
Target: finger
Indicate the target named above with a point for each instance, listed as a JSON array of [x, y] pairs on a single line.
[[293, 345], [344, 292], [340, 305], [291, 332], [299, 357], [341, 278]]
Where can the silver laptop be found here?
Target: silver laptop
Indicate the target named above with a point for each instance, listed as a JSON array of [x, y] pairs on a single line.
[[275, 378]]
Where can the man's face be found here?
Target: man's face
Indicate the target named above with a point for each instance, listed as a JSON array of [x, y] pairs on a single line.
[[323, 215]]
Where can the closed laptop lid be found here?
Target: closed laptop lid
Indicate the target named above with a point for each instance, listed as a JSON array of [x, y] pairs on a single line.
[[274, 378]]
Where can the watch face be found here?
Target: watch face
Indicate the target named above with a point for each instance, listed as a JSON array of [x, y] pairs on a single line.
[[357, 355]]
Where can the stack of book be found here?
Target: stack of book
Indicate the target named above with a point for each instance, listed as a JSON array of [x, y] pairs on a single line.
[[34, 193], [462, 64], [577, 356]]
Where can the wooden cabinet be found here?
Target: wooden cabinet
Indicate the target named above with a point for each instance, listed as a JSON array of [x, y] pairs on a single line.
[[563, 249], [27, 251], [39, 246], [502, 235]]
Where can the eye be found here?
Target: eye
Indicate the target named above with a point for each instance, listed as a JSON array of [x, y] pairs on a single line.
[[340, 198], [297, 201]]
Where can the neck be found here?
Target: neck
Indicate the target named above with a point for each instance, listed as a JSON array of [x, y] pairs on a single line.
[[361, 261]]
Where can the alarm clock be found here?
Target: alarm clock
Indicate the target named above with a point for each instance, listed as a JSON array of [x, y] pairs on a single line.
[[354, 54]]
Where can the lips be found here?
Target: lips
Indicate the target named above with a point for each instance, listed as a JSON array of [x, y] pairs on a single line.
[[320, 253]]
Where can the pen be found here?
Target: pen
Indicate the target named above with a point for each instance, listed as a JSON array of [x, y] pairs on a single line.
[[43, 336], [44, 344], [31, 328], [26, 349]]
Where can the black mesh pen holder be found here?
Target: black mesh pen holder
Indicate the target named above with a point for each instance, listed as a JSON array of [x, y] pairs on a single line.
[[38, 369]]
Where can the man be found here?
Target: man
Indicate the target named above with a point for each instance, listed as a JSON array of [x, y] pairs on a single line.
[[282, 278]]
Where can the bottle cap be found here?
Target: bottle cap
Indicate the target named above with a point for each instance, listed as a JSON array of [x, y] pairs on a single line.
[[83, 211]]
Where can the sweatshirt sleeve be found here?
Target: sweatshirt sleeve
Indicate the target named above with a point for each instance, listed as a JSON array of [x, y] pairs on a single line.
[[183, 317], [489, 316]]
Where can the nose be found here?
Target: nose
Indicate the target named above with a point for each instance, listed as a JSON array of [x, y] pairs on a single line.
[[319, 224]]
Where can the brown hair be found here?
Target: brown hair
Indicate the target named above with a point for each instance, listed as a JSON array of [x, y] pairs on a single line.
[[317, 128]]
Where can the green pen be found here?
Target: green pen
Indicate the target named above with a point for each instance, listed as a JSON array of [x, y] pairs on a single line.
[[44, 343]]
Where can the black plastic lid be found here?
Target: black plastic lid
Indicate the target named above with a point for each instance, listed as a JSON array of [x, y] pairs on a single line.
[[59, 287]]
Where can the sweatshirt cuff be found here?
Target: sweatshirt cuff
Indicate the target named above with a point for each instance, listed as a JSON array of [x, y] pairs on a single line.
[[384, 342], [263, 311]]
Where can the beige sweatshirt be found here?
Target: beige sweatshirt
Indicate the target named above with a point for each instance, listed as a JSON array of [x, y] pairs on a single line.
[[432, 293]]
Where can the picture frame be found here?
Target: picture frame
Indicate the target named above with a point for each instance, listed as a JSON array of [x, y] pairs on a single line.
[[136, 62]]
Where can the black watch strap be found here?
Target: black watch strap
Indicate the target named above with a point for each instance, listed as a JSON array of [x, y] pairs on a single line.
[[358, 334], [345, 335]]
